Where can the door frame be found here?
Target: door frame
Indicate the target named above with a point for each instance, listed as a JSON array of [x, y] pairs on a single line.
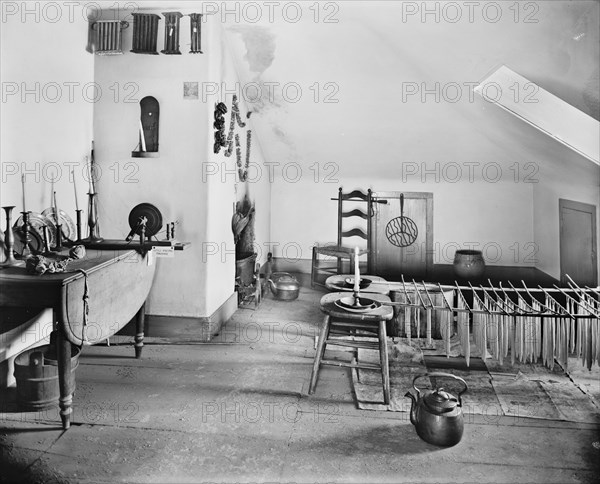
[[582, 207]]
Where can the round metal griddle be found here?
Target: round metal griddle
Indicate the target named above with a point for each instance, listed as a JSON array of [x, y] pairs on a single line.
[[153, 218], [401, 231], [357, 305]]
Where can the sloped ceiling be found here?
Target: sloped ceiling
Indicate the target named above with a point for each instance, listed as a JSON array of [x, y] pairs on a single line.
[[366, 63]]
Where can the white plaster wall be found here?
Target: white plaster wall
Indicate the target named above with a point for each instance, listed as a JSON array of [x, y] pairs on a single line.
[[47, 108], [369, 126], [258, 184], [493, 217], [221, 179], [39, 135], [174, 182], [188, 182]]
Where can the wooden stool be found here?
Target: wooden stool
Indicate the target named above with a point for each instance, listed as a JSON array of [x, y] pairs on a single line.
[[339, 323]]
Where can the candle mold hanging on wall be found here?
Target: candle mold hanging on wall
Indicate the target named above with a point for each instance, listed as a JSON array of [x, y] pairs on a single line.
[[172, 20], [145, 33], [195, 33], [108, 36], [148, 129]]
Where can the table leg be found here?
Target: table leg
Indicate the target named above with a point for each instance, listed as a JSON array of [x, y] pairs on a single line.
[[385, 366], [319, 354], [139, 330], [63, 353]]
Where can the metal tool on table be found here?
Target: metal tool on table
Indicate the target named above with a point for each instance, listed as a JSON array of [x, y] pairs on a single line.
[[436, 414]]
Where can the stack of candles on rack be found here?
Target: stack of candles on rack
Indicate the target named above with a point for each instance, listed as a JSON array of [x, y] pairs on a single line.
[[547, 324]]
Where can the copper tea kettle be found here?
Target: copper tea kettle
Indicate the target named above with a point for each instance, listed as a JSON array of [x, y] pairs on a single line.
[[436, 414]]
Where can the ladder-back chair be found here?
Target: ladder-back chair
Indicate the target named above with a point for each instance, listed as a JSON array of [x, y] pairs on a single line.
[[352, 207]]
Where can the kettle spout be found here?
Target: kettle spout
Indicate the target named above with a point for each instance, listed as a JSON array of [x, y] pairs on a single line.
[[272, 286], [413, 409]]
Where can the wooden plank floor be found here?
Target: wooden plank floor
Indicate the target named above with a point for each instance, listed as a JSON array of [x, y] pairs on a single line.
[[237, 410]]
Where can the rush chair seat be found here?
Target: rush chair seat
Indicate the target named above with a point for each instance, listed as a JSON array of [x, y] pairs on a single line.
[[354, 208], [342, 328]]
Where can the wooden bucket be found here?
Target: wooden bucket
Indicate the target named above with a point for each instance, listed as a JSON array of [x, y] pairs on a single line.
[[417, 317], [37, 377]]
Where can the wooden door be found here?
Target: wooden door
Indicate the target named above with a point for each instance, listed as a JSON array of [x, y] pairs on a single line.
[[578, 242], [388, 258]]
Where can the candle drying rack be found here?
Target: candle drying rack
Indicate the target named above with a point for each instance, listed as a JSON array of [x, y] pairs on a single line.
[[509, 324]]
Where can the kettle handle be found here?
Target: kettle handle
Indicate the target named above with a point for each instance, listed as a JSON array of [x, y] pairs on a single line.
[[441, 374], [280, 274]]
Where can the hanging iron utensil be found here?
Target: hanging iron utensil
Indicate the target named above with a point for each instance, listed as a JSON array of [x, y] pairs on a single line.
[[401, 231]]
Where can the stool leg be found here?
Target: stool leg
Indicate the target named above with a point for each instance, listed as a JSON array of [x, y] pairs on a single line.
[[319, 354], [385, 366]]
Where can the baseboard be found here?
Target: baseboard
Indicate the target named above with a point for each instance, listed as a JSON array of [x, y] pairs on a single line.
[[443, 273], [303, 266], [297, 266], [211, 325], [205, 327]]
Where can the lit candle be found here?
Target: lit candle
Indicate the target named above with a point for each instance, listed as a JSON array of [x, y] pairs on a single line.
[[75, 189], [356, 272], [142, 138], [23, 185], [52, 194], [56, 211], [89, 173]]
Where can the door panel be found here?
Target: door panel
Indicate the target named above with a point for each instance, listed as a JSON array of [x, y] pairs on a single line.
[[578, 243], [415, 259]]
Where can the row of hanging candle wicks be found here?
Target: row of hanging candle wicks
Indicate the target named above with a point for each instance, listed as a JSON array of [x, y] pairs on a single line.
[[529, 330], [531, 336]]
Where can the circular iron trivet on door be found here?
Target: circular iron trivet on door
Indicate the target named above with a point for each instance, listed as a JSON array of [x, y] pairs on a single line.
[[401, 231]]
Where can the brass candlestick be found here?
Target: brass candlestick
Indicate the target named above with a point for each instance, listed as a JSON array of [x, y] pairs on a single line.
[[9, 239], [78, 226], [58, 247], [94, 230]]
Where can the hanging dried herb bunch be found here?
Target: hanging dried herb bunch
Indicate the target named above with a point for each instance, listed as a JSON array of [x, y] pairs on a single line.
[[219, 125], [235, 117], [243, 171]]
